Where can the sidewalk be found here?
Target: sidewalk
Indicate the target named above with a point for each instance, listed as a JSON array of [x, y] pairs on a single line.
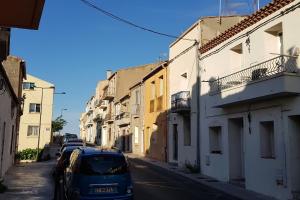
[[29, 181], [227, 188]]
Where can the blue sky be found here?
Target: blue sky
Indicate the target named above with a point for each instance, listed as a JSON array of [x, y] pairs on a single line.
[[75, 44]]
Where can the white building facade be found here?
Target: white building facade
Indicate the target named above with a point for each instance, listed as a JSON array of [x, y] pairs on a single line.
[[183, 70], [250, 104]]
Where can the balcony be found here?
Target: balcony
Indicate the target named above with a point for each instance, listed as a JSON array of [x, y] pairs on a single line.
[[135, 110], [276, 77], [180, 102], [97, 117], [109, 118], [123, 119], [103, 104], [89, 123], [108, 94]]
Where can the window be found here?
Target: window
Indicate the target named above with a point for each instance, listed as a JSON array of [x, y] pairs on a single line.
[[152, 90], [187, 131], [161, 86], [215, 139], [236, 57], [12, 138], [103, 165], [33, 131], [136, 135], [274, 40], [154, 134], [267, 146], [34, 107], [28, 86], [137, 97]]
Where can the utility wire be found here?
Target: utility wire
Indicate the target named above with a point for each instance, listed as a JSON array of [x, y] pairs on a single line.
[[90, 4]]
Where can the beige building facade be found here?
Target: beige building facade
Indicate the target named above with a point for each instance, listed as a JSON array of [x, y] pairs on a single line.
[[37, 113]]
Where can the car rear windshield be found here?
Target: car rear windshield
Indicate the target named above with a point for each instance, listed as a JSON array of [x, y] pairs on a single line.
[[103, 165]]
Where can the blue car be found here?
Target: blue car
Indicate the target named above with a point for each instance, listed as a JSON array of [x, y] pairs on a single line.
[[98, 174]]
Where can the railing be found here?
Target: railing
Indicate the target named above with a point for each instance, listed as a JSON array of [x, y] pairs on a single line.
[[260, 71], [123, 115], [180, 101], [103, 104], [108, 93], [151, 105]]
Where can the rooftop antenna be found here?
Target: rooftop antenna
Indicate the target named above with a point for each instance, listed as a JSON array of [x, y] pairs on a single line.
[[220, 10], [256, 5]]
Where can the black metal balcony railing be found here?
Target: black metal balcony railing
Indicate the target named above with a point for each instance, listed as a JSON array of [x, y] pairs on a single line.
[[260, 71], [180, 101]]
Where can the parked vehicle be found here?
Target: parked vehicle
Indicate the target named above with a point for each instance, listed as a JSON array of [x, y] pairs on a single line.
[[63, 161], [98, 174], [69, 136], [73, 140], [71, 144]]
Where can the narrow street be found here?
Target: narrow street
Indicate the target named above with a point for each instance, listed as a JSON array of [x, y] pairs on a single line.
[[151, 182]]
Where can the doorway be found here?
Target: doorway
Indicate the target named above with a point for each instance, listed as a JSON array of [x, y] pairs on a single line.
[[294, 158], [175, 142], [236, 151]]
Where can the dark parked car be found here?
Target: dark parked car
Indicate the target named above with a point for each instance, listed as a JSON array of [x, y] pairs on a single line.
[[98, 174], [72, 140], [70, 144], [69, 136]]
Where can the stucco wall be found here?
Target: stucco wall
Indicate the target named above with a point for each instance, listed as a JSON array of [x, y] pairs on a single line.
[[155, 142], [268, 176], [8, 135], [34, 96]]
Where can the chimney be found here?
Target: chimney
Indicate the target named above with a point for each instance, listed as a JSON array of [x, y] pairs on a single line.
[[108, 73]]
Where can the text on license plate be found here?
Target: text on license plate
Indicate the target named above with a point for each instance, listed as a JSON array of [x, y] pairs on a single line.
[[105, 190]]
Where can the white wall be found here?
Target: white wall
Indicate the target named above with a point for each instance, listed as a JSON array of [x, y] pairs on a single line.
[[177, 83], [262, 175]]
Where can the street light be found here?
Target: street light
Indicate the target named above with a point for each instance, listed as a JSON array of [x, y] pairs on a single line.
[[40, 122], [61, 111]]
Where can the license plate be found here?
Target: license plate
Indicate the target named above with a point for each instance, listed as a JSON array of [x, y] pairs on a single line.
[[105, 190]]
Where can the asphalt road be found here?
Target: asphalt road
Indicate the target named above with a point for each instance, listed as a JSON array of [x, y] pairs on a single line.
[[154, 183]]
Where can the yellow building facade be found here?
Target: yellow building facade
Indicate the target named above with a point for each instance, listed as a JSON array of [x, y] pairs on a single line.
[[37, 113], [155, 113]]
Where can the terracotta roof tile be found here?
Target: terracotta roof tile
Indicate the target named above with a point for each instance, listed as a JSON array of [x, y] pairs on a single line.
[[245, 23]]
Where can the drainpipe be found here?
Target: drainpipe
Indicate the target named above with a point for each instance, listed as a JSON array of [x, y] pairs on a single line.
[[198, 105]]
